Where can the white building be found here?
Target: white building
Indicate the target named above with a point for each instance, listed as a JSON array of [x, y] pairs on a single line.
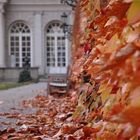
[[32, 28]]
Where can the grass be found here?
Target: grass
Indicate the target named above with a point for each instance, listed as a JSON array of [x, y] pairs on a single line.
[[4, 86]]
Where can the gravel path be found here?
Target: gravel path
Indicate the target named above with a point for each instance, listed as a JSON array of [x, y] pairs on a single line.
[[12, 98]]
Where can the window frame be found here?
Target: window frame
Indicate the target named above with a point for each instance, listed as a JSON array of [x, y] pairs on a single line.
[[55, 30], [24, 31]]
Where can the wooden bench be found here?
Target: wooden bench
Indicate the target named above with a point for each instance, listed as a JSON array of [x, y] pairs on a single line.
[[57, 84]]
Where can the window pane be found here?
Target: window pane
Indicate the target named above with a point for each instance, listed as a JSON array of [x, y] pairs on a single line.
[[17, 64], [23, 44], [17, 49], [63, 54], [12, 38], [16, 38], [28, 38], [17, 43], [28, 43], [23, 38], [12, 43], [28, 49], [20, 27], [48, 49], [12, 49], [48, 54]]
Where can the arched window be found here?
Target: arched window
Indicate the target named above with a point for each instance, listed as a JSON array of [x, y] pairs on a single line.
[[19, 44], [55, 46]]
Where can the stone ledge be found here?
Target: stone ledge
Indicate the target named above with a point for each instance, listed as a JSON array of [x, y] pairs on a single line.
[[12, 74]]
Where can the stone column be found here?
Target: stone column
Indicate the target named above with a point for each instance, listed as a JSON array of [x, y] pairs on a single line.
[[2, 36], [38, 45]]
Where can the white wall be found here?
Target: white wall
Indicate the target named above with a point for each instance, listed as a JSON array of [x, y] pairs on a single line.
[[27, 11]]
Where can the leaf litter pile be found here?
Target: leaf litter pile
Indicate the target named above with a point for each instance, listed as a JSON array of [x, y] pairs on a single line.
[[104, 97], [51, 115]]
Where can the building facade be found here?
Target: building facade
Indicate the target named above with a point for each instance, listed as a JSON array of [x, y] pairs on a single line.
[[32, 29]]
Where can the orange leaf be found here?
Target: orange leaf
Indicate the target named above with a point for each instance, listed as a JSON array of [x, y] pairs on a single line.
[[132, 112], [89, 130], [116, 109]]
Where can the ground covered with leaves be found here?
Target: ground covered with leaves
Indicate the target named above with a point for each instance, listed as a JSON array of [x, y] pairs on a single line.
[[39, 118]]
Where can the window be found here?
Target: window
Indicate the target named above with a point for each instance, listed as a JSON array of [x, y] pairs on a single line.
[[55, 46], [20, 43], [61, 52]]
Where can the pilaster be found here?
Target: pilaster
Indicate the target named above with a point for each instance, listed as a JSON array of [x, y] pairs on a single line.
[[38, 44], [2, 33]]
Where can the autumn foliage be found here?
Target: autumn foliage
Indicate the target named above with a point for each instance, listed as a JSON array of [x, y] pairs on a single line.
[[104, 100], [106, 69]]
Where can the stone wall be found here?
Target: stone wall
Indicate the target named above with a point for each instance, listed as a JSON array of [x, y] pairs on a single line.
[[12, 74]]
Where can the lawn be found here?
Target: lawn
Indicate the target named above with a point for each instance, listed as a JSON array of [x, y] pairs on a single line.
[[7, 85]]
